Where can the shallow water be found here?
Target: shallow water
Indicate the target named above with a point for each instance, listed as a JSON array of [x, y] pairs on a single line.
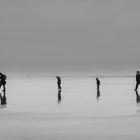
[[78, 95]]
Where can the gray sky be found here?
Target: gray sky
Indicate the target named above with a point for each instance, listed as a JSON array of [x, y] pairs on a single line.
[[69, 35]]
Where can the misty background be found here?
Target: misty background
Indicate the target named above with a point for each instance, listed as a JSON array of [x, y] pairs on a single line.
[[69, 35]]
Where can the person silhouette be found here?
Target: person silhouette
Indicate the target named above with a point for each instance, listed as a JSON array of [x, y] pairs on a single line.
[[3, 81], [98, 83], [58, 82], [137, 80]]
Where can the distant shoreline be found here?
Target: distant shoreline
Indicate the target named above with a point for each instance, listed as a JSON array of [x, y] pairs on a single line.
[[78, 76]]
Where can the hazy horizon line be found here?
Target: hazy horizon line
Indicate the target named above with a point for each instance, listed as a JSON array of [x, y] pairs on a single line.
[[61, 75]]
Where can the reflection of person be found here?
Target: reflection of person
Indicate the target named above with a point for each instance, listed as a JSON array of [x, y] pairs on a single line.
[[98, 93], [137, 79], [59, 96], [137, 97], [98, 83]]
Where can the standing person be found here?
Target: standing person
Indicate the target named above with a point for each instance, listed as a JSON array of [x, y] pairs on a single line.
[[98, 87], [58, 82], [137, 80], [98, 83]]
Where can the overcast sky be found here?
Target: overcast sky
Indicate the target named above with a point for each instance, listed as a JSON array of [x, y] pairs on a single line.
[[69, 35]]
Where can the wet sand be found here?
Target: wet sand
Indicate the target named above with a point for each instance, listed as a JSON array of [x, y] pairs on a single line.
[[33, 112], [30, 126]]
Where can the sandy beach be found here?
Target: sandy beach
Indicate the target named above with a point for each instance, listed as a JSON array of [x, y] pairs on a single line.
[[29, 126], [33, 112]]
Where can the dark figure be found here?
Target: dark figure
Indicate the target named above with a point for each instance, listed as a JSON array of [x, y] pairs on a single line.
[[137, 80], [59, 82], [3, 81], [137, 97], [98, 83], [59, 96]]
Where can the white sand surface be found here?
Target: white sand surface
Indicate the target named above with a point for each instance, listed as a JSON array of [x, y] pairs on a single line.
[[34, 113], [32, 126]]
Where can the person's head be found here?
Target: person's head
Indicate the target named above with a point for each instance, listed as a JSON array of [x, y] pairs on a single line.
[[137, 72], [57, 77]]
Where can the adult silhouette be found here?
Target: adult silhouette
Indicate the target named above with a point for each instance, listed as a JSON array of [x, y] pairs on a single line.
[[58, 82], [137, 80]]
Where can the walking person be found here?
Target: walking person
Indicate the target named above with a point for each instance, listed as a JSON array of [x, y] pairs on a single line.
[[58, 82], [137, 80], [98, 87]]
